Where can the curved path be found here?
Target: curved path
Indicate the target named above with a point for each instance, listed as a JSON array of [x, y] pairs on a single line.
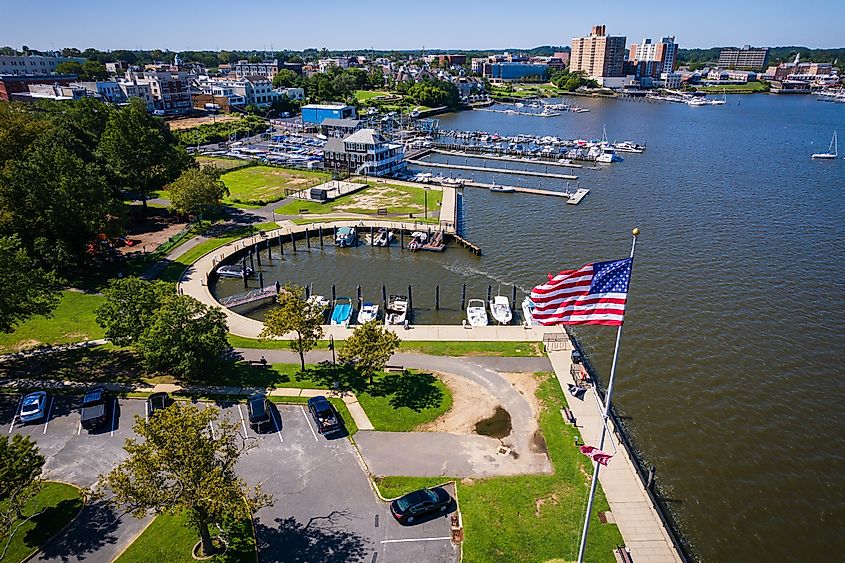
[[442, 453]]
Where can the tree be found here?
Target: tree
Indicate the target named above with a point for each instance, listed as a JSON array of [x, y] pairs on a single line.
[[140, 151], [184, 337], [369, 348], [285, 79], [129, 307], [178, 466], [295, 314], [25, 290], [196, 190], [20, 469]]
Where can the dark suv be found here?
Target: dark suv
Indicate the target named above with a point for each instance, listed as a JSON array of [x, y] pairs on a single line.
[[324, 415], [259, 411], [95, 405], [157, 402]]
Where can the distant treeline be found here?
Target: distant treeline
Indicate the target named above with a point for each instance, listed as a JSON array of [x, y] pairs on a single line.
[[776, 55]]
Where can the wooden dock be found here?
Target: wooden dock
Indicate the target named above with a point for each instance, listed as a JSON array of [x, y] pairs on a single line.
[[576, 198], [474, 248], [506, 158], [493, 170], [571, 198]]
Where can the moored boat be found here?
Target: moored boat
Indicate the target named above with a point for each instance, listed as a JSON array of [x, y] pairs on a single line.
[[528, 311], [234, 271], [346, 236], [320, 304], [342, 312], [396, 312], [383, 237], [368, 312], [500, 308], [477, 312], [418, 239]]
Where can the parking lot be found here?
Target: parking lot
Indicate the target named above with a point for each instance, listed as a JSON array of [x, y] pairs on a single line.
[[325, 508]]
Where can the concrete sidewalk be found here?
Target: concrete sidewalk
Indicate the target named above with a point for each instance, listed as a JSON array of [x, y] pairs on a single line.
[[638, 521]]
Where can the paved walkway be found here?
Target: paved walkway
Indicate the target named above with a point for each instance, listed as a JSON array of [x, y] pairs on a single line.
[[638, 521]]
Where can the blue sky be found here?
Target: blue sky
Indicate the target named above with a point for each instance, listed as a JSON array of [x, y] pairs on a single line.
[[397, 24]]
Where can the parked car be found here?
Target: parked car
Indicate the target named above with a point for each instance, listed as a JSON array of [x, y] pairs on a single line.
[[259, 410], [324, 415], [95, 406], [157, 402], [411, 507], [33, 407]]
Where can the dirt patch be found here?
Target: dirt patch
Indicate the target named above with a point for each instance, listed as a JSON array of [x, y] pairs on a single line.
[[188, 122], [376, 197], [470, 404], [538, 443], [551, 499], [526, 383], [150, 232]]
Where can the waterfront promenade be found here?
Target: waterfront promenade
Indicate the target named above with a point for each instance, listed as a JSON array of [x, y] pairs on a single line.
[[641, 527]]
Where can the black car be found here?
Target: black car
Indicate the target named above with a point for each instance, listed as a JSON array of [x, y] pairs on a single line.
[[95, 406], [259, 410], [411, 507], [157, 402], [324, 415]]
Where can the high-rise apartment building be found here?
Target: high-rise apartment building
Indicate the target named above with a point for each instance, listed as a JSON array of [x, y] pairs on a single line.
[[599, 55], [746, 57], [654, 59]]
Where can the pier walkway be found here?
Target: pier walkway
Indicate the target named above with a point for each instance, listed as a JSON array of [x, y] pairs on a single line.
[[494, 170], [639, 522], [506, 158]]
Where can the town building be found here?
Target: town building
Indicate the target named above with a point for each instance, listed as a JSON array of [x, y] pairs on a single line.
[[452, 60], [316, 113], [511, 72], [732, 76], [107, 90], [293, 93], [56, 92], [599, 56], [117, 67], [33, 65], [336, 62], [171, 90], [267, 69], [747, 57], [653, 59], [477, 64], [333, 127], [19, 84], [133, 89], [364, 152], [562, 56]]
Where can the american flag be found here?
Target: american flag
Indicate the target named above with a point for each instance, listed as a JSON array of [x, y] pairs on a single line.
[[594, 294]]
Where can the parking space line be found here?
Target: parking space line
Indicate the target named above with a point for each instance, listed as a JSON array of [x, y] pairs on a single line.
[[308, 422], [49, 411], [211, 427], [417, 539], [113, 416], [79, 428], [276, 424], [15, 416], [243, 422]]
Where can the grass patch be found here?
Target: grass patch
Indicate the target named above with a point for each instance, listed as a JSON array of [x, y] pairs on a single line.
[[747, 88], [365, 95], [397, 199], [259, 185], [532, 517], [169, 538], [72, 321], [242, 342], [60, 503]]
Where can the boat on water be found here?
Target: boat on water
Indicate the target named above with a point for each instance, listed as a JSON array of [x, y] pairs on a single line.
[[342, 312], [234, 271], [832, 151], [418, 239], [455, 182], [319, 304], [502, 189], [383, 238], [628, 146], [528, 311], [608, 155], [500, 308], [477, 312], [396, 312], [368, 312], [346, 236]]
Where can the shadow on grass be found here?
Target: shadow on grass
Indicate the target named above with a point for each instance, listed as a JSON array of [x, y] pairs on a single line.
[[416, 391], [95, 528], [321, 539], [96, 364]]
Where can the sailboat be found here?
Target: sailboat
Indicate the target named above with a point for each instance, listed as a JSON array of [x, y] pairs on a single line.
[[832, 150]]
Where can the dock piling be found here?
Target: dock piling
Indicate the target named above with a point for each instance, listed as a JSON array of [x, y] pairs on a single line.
[[281, 246], [334, 295], [358, 295], [489, 293], [437, 297], [384, 297], [402, 239], [293, 242], [307, 239], [269, 250], [372, 238], [261, 280], [307, 291], [320, 235], [513, 296], [257, 254], [251, 260], [463, 297], [410, 300]]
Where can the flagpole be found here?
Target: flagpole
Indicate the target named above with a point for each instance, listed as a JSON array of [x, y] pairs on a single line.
[[583, 548]]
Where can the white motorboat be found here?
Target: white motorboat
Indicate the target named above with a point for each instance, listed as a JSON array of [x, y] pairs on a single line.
[[528, 311], [319, 304], [368, 312], [477, 312], [234, 271], [383, 237], [418, 239], [502, 189], [500, 308], [832, 150], [608, 155], [397, 310]]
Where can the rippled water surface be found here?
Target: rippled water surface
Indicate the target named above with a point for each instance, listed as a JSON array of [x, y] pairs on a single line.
[[731, 366]]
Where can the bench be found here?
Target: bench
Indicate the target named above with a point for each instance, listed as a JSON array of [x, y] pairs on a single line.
[[394, 368], [258, 363], [381, 211], [304, 211]]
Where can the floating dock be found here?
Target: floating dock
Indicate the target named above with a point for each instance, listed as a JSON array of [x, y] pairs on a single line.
[[493, 170], [571, 198], [505, 158], [576, 198]]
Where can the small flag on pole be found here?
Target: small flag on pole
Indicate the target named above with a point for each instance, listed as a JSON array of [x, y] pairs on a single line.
[[596, 454], [594, 294]]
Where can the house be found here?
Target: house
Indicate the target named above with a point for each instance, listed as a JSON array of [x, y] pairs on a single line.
[[107, 90], [364, 152]]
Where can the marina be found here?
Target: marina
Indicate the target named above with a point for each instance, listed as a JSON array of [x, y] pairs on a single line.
[[493, 170]]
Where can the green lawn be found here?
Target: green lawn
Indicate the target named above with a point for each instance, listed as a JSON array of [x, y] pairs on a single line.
[[168, 538], [531, 517], [748, 88], [364, 95], [430, 347], [397, 199], [259, 185], [60, 503], [72, 321]]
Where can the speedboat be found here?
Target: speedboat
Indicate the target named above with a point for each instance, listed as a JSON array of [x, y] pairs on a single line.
[[319, 304], [608, 155], [528, 311], [397, 310], [383, 237], [342, 313], [346, 236], [502, 189], [368, 312], [500, 308], [418, 239], [234, 271], [476, 312]]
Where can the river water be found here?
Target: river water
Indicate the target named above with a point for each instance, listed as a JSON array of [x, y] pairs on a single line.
[[731, 365]]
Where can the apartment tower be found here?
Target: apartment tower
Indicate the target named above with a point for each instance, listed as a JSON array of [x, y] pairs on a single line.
[[599, 55]]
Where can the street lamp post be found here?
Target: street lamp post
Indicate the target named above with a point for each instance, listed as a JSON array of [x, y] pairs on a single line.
[[331, 347]]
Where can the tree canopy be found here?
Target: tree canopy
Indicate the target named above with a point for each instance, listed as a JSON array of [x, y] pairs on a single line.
[[20, 470], [178, 465], [25, 289], [89, 70], [129, 306], [196, 191], [294, 314], [286, 79], [435, 93], [369, 348]]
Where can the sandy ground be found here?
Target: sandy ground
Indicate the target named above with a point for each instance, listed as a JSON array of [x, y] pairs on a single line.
[[470, 404], [149, 235], [188, 122]]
